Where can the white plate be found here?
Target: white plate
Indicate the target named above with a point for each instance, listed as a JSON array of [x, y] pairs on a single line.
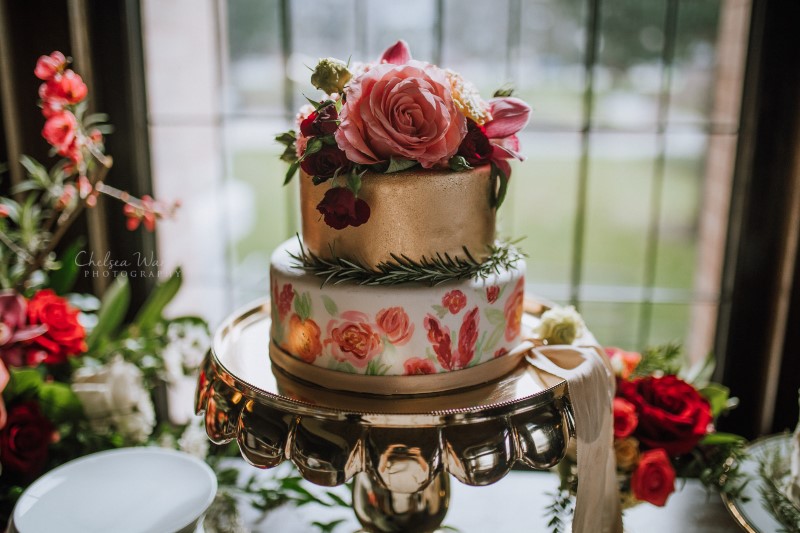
[[127, 490], [748, 509]]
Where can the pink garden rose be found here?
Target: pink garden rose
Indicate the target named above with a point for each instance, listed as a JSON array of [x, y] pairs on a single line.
[[354, 339], [395, 324], [402, 111]]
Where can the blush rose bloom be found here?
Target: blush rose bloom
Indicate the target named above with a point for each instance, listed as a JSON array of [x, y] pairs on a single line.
[[654, 479], [353, 339], [395, 324], [513, 311], [402, 111]]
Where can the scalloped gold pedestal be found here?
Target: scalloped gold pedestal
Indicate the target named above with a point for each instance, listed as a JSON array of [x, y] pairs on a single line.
[[401, 449]]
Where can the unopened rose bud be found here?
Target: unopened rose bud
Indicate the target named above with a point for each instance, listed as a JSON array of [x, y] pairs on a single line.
[[3, 211], [561, 325], [330, 75]]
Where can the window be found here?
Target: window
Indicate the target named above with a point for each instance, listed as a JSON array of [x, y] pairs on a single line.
[[623, 199]]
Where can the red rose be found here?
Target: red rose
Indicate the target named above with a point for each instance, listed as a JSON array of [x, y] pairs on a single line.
[[417, 366], [24, 440], [468, 337], [64, 336], [475, 147], [325, 163], [49, 66], [341, 208], [672, 414], [654, 478], [395, 324], [625, 419], [454, 301], [353, 339], [320, 122], [59, 130], [492, 293]]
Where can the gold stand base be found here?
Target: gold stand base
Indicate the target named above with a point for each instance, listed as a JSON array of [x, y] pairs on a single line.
[[383, 511]]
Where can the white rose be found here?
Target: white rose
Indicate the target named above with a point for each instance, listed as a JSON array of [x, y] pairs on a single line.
[[187, 344], [113, 397], [561, 325]]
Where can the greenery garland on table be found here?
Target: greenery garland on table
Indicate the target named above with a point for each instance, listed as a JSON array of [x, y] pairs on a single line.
[[435, 270], [773, 469]]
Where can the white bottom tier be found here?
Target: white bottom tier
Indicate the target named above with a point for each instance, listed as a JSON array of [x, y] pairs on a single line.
[[394, 330]]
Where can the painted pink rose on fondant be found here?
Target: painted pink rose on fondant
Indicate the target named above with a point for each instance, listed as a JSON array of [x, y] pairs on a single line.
[[492, 293], [303, 339], [353, 339], [513, 311], [401, 111], [454, 301], [417, 366], [395, 324]]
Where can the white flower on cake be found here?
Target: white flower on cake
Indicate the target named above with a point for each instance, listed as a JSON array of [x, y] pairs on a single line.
[[113, 397], [561, 325]]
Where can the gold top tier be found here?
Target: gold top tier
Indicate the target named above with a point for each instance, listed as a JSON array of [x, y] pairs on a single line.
[[414, 213]]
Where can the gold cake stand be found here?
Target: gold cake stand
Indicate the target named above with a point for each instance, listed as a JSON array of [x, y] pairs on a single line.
[[400, 449]]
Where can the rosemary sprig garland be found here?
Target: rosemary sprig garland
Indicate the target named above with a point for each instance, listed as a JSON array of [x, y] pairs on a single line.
[[402, 269]]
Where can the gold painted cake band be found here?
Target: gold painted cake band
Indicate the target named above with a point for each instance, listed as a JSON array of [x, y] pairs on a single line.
[[388, 385], [415, 213]]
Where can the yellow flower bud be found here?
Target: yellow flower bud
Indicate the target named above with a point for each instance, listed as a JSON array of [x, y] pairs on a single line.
[[561, 325], [330, 75]]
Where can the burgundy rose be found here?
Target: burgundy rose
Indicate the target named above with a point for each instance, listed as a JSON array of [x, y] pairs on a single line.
[[320, 122], [65, 336], [326, 162], [672, 414], [341, 208], [475, 147], [25, 439]]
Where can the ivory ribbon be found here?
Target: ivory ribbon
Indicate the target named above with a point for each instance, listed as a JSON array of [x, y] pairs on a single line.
[[591, 390]]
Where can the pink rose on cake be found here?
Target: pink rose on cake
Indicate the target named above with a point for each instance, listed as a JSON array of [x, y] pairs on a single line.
[[401, 111], [395, 324], [454, 301], [417, 366], [353, 339]]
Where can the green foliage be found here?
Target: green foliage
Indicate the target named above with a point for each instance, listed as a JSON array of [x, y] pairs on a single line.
[[59, 404], [398, 164], [559, 513], [772, 469], [458, 163], [402, 269], [499, 177], [63, 279], [717, 396], [113, 309], [666, 358], [330, 305], [504, 91], [152, 310], [23, 383], [302, 305]]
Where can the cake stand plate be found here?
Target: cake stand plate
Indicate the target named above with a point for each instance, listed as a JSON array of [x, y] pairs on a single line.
[[400, 449]]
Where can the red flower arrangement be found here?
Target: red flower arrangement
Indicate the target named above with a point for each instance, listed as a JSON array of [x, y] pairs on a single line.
[[663, 427], [392, 115]]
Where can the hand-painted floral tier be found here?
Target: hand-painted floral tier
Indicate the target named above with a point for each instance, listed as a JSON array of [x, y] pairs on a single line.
[[394, 330]]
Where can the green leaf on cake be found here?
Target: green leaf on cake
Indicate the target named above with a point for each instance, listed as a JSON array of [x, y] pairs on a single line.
[[398, 164], [440, 311], [330, 305], [354, 182], [495, 337], [502, 187], [302, 305], [495, 316], [458, 163]]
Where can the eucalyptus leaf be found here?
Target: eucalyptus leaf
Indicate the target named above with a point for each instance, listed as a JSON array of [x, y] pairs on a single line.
[[152, 310], [113, 309]]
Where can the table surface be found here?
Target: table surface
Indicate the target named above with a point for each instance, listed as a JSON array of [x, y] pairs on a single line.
[[516, 504]]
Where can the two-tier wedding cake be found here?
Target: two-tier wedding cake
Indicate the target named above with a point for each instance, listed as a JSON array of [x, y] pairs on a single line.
[[402, 167]]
